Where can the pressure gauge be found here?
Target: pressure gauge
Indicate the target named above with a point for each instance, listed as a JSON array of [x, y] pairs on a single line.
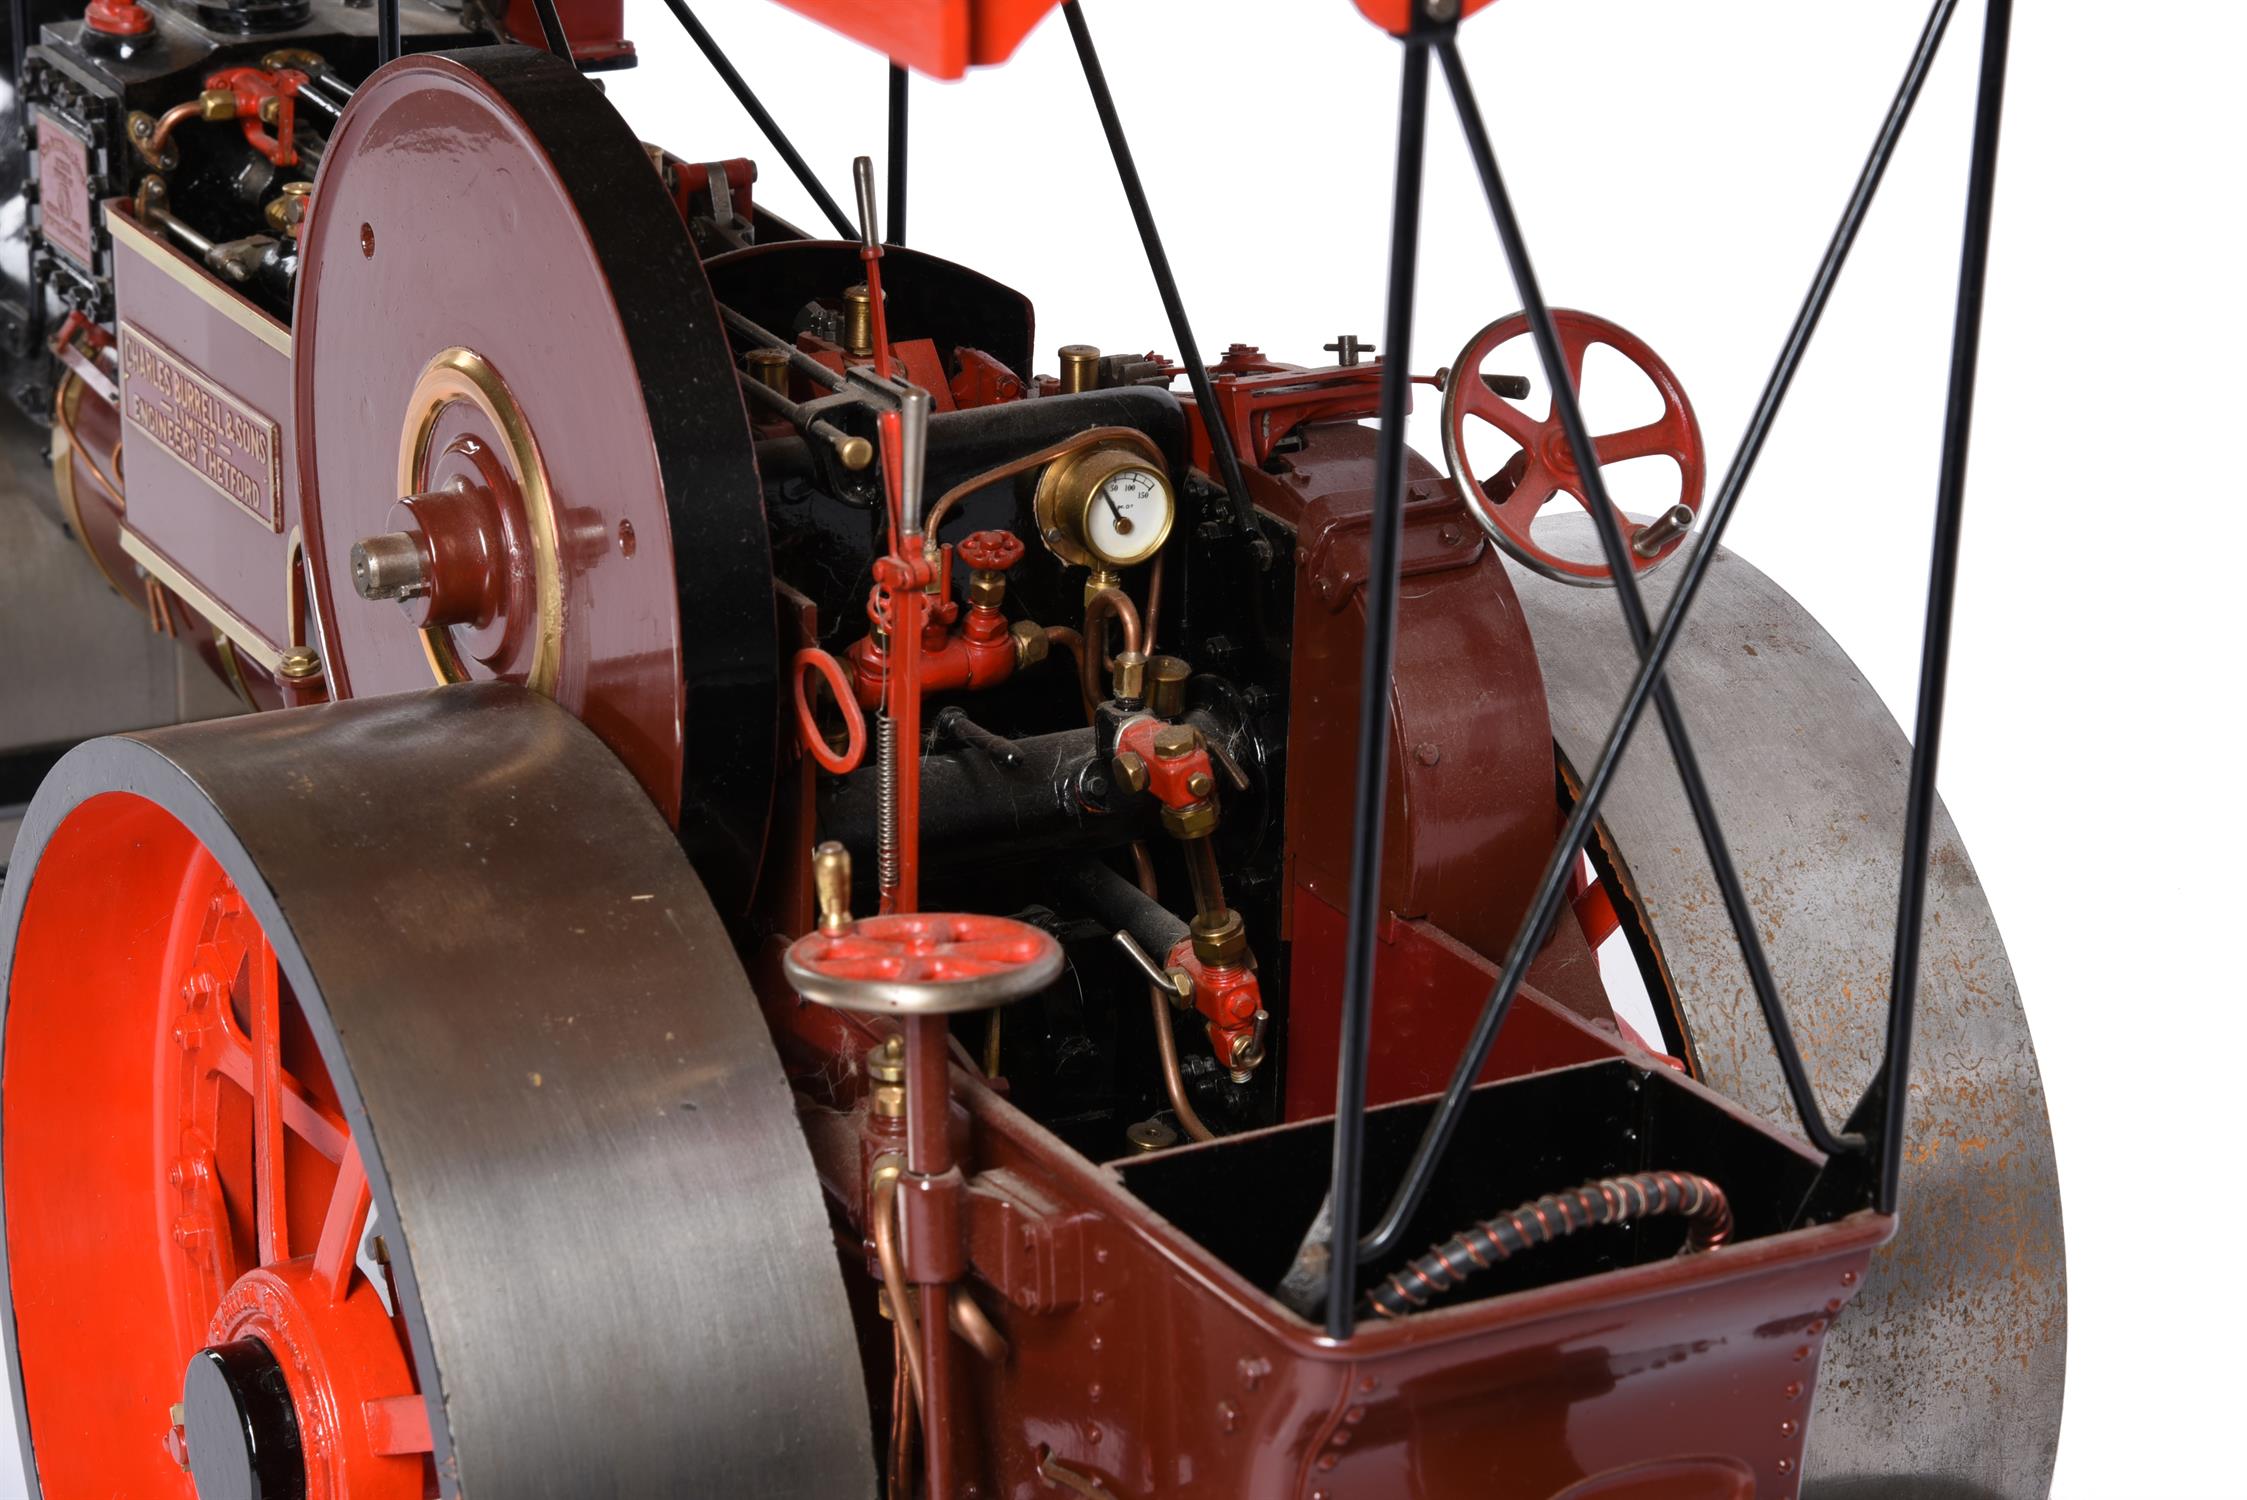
[[1108, 507]]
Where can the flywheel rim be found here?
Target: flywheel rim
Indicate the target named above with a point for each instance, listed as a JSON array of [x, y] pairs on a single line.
[[704, 1346]]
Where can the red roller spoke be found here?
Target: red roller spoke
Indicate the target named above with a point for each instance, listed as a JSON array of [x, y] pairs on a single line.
[[1654, 438], [266, 1092], [318, 1126], [346, 1220]]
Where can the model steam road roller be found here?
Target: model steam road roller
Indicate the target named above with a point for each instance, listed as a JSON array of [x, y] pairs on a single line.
[[820, 892]]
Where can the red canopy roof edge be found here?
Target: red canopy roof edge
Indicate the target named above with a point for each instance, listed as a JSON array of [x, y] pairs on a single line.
[[944, 38]]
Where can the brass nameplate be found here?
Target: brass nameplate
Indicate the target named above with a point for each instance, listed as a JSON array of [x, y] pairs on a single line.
[[229, 444]]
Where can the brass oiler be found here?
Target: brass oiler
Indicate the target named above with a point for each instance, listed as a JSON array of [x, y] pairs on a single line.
[[1080, 368], [858, 321]]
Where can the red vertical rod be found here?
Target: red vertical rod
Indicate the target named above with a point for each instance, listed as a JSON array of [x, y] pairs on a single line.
[[929, 1168]]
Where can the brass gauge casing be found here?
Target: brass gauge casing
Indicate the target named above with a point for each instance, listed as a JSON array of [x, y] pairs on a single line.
[[1071, 487]]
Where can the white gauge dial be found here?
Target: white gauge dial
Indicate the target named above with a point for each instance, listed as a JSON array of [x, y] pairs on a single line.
[[1127, 516]]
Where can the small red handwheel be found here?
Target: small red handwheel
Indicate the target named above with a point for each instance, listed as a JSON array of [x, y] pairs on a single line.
[[1507, 503], [991, 551], [923, 963]]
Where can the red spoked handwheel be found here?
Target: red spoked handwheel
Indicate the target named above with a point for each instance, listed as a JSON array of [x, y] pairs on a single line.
[[923, 963], [1507, 502]]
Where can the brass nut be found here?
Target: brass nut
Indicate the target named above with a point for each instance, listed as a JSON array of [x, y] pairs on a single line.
[[218, 104], [885, 1062], [1030, 643], [1129, 681], [1221, 939], [1196, 820], [1200, 784], [1174, 741], [299, 663], [986, 590], [1130, 771], [269, 110]]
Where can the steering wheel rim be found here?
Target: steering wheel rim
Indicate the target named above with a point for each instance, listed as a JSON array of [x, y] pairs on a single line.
[[1545, 467]]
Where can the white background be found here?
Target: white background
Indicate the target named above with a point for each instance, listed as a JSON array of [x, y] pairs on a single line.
[[1678, 168]]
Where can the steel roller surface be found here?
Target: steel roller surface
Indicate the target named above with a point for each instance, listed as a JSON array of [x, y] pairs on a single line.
[[600, 1211], [1944, 1379]]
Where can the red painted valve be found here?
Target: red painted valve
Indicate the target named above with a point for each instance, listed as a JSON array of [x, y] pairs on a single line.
[[922, 963], [991, 551], [1507, 503], [119, 18]]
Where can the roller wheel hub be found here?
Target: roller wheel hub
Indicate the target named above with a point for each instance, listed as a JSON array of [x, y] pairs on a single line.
[[240, 1425]]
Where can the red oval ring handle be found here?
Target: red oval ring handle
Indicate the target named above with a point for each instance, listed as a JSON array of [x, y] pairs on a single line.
[[1545, 466], [812, 659]]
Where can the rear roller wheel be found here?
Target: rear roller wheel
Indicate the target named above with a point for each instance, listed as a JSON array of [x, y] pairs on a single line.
[[1944, 1378], [385, 1115]]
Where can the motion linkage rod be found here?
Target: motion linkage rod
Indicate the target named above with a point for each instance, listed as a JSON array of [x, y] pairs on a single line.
[[557, 40], [1166, 283], [387, 42], [900, 86], [1383, 579], [1942, 588], [1350, 1123], [716, 55]]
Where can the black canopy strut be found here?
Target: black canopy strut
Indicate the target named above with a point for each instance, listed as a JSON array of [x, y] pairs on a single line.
[[1339, 1241], [1166, 283], [716, 56]]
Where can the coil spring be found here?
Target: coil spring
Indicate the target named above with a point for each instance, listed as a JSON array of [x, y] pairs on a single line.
[[885, 784]]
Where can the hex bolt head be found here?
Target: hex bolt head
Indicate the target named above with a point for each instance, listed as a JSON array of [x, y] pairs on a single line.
[[1131, 771], [1175, 740]]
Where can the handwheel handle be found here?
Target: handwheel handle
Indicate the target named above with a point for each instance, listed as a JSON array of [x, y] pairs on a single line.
[[1507, 503]]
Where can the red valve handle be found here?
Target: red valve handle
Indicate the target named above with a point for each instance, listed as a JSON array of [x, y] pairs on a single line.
[[991, 551], [923, 963], [1506, 504], [812, 659]]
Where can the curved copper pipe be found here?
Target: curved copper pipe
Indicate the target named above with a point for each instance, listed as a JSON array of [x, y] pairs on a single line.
[[1154, 604], [883, 1212], [169, 121], [942, 509], [1094, 659], [972, 1323], [1166, 1044]]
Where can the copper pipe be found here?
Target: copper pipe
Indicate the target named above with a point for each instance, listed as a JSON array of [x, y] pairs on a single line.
[[78, 444], [1095, 662], [1166, 1044], [169, 121], [940, 511], [900, 1423], [1154, 604], [970, 1322], [883, 1213]]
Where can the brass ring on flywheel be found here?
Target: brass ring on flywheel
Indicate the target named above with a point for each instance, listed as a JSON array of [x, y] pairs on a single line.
[[464, 375]]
